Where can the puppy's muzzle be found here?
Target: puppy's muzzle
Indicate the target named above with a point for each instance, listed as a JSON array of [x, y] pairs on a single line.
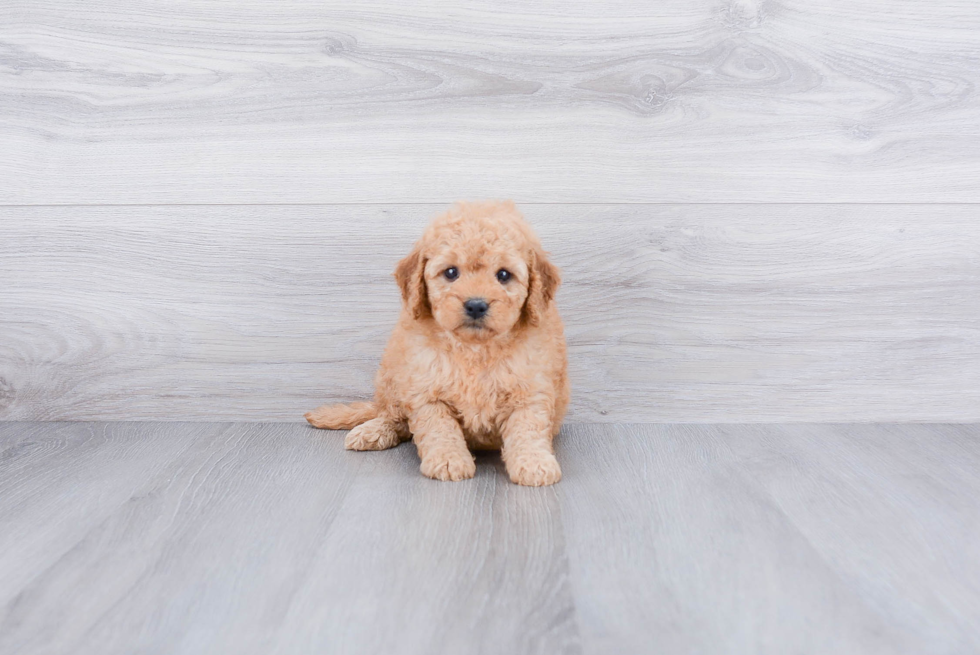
[[476, 308]]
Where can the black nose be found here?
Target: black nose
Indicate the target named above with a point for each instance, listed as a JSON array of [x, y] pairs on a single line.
[[476, 307]]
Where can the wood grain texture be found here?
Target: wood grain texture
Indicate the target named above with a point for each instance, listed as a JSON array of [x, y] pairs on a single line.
[[273, 539], [201, 555], [673, 313], [60, 482], [270, 538], [114, 101], [380, 582], [774, 539]]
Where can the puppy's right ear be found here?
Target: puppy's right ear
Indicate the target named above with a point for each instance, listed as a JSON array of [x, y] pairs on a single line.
[[411, 280], [544, 280]]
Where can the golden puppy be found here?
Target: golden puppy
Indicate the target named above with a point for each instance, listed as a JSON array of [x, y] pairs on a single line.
[[477, 359]]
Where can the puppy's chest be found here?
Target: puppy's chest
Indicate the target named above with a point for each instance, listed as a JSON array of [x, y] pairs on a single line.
[[481, 397]]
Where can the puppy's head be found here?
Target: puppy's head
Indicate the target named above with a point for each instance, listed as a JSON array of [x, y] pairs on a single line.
[[479, 272]]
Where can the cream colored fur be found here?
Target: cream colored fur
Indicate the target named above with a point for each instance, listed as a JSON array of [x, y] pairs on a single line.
[[451, 386]]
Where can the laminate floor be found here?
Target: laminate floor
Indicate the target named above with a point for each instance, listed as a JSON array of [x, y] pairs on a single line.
[[270, 538]]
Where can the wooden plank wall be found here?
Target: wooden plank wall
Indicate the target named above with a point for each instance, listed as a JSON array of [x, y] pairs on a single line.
[[766, 211]]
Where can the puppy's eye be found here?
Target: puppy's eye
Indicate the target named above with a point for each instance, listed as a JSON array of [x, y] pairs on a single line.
[[503, 275], [451, 273]]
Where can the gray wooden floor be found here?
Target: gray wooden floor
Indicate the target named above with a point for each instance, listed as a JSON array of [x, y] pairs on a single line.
[[270, 538]]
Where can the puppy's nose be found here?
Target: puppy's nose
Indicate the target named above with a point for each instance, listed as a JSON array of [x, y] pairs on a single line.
[[476, 307]]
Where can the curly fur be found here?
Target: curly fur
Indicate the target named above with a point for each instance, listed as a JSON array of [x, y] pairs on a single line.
[[451, 385]]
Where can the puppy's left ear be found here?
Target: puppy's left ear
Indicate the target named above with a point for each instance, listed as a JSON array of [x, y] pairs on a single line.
[[411, 280], [544, 281]]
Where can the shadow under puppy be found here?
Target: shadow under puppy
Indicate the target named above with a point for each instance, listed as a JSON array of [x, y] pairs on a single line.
[[477, 360]]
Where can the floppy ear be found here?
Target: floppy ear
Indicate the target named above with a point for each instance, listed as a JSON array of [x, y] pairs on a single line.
[[544, 280], [409, 275]]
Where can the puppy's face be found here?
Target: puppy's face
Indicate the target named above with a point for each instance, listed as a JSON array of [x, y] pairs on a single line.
[[479, 272], [477, 291]]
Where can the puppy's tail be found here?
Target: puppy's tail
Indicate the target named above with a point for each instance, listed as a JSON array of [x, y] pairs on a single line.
[[342, 417]]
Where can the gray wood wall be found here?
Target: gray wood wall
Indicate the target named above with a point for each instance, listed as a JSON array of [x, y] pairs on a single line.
[[764, 210]]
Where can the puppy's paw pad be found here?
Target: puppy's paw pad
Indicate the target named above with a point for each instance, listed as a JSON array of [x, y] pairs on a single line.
[[376, 434], [452, 466], [534, 470]]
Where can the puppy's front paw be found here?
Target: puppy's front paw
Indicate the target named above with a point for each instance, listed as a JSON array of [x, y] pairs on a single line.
[[376, 434], [534, 469], [451, 465]]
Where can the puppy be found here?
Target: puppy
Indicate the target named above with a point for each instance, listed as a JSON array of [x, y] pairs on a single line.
[[477, 359]]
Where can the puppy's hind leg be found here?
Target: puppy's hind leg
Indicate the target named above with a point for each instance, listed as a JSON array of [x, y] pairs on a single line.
[[377, 434]]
